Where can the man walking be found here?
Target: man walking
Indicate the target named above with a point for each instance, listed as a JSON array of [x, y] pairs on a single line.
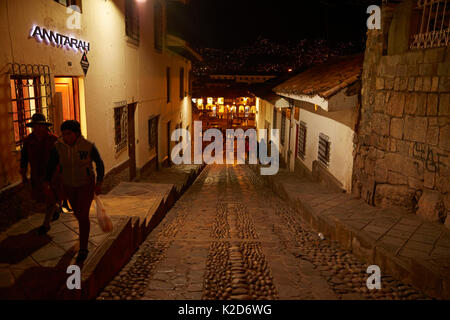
[[75, 155], [36, 152]]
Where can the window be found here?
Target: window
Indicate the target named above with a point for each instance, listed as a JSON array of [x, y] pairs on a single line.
[[168, 84], [158, 25], [182, 93], [283, 126], [430, 24], [121, 125], [301, 144], [324, 149], [152, 132], [30, 93], [132, 21], [69, 3]]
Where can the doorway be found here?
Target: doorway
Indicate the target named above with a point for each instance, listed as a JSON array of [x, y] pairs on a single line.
[[69, 109], [68, 87]]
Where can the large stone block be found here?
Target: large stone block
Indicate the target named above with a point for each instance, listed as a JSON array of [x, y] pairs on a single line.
[[433, 135], [444, 138], [387, 195], [435, 84], [396, 130], [434, 55], [426, 85], [396, 104], [414, 57], [380, 105], [421, 104], [431, 206], [419, 84], [396, 178], [416, 129], [426, 69], [443, 69], [432, 104], [444, 84], [404, 165], [381, 171], [429, 179], [444, 104], [402, 70], [380, 124]]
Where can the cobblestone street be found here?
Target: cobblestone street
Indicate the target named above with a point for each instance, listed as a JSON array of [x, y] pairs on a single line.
[[230, 237]]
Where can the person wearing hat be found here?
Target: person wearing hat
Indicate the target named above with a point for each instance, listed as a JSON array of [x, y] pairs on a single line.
[[36, 152], [75, 155]]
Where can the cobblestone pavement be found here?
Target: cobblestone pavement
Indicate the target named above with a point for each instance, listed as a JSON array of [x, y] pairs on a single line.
[[229, 237]]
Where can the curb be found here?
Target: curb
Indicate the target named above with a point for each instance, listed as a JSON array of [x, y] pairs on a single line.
[[408, 270]]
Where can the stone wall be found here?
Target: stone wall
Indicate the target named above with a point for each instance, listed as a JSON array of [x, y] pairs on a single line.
[[402, 154]]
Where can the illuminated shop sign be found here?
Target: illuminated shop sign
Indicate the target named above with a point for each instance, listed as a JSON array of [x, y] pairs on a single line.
[[59, 39]]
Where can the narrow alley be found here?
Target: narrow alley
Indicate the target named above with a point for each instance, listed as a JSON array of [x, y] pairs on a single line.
[[230, 237]]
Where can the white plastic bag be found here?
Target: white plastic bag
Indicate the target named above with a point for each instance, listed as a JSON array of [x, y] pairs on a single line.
[[103, 219]]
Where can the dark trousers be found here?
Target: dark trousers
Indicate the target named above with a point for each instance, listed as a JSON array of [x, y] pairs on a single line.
[[80, 199]]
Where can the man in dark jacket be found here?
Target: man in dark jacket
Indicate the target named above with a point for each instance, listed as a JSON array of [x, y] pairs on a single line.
[[75, 155], [36, 152]]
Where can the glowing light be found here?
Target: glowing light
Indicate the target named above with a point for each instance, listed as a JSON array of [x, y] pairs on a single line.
[[220, 101], [210, 100]]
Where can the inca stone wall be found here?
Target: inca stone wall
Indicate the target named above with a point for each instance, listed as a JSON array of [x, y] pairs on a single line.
[[402, 155]]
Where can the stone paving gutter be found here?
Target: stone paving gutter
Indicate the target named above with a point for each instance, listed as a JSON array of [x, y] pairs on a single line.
[[403, 245]]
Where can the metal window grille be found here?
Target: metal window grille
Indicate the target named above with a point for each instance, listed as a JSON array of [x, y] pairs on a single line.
[[121, 125], [158, 25], [324, 149], [301, 148], [132, 20], [283, 127], [152, 132], [182, 93], [31, 93], [433, 26]]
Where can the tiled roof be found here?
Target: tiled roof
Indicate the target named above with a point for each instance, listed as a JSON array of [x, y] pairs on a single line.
[[325, 79]]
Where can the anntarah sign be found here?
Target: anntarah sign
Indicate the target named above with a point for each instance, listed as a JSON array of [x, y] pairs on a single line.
[[84, 63]]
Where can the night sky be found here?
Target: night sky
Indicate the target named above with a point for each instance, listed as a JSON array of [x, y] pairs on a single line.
[[237, 23]]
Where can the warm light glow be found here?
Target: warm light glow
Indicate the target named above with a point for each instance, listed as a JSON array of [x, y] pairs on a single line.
[[194, 100], [289, 70], [316, 107], [210, 100], [200, 102], [220, 101]]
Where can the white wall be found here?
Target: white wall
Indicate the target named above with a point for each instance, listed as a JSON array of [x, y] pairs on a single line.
[[119, 71], [341, 150]]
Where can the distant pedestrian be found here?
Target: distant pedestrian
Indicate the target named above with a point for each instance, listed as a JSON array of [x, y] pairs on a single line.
[[36, 151], [75, 155]]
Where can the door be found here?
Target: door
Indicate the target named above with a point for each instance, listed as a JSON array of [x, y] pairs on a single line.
[[132, 140], [67, 88]]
